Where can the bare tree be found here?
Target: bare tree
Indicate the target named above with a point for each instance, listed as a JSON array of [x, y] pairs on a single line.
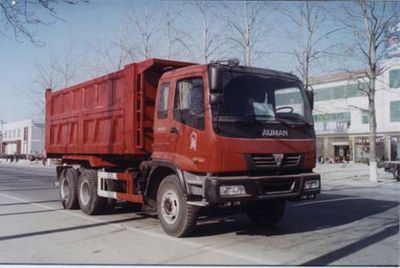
[[368, 21], [249, 30], [20, 17], [209, 38], [57, 71], [309, 21], [176, 38], [169, 23], [144, 26], [113, 50]]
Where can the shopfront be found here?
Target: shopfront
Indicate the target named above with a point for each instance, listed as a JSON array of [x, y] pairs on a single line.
[[12, 147], [395, 148], [333, 149], [332, 140], [362, 148], [341, 151]]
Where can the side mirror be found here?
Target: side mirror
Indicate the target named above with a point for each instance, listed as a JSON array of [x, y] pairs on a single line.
[[310, 95], [216, 98], [215, 77]]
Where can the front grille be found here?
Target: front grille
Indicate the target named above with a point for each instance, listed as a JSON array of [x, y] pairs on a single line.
[[268, 160]]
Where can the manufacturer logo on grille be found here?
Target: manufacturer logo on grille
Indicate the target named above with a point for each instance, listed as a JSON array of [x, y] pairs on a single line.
[[278, 159]]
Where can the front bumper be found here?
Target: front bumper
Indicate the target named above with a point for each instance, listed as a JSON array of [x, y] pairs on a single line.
[[263, 187]]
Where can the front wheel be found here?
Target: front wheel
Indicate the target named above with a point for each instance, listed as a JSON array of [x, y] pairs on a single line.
[[266, 213], [176, 216]]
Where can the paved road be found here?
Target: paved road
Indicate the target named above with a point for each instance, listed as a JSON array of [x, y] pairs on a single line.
[[352, 223]]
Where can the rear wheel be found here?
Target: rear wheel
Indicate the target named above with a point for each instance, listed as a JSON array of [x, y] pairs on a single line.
[[89, 201], [69, 188], [176, 216], [266, 213]]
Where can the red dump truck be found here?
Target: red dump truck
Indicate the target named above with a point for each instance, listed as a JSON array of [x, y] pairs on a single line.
[[182, 139]]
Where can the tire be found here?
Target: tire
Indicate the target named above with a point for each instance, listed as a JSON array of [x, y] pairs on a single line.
[[69, 188], [176, 216], [266, 213], [89, 201]]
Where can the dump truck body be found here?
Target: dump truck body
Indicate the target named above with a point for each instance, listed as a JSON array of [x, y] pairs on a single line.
[[109, 118]]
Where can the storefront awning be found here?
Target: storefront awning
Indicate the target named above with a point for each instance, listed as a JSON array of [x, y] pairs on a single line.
[[340, 143]]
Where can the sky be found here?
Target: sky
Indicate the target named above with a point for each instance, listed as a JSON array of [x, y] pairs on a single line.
[[18, 59], [85, 25]]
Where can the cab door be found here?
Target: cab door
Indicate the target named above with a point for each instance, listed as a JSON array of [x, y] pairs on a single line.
[[189, 139], [162, 123]]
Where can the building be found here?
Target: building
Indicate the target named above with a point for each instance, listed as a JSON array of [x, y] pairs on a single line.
[[341, 114], [21, 137]]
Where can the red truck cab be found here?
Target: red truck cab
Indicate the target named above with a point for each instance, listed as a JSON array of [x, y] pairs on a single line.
[[223, 135]]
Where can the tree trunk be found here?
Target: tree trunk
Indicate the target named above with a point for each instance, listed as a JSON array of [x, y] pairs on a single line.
[[247, 33], [205, 38], [373, 171]]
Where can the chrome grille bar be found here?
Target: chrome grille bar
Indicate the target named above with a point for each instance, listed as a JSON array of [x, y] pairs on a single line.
[[268, 161]]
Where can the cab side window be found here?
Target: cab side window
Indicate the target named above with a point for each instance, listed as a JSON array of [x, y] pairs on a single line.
[[189, 102], [162, 107]]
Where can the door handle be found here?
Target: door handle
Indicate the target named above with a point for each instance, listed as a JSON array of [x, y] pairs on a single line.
[[174, 130]]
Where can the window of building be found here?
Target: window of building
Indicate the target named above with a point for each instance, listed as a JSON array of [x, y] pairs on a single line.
[[394, 78], [19, 133], [332, 122], [395, 111], [333, 117], [14, 132], [340, 92], [5, 134], [365, 117], [189, 102], [162, 108]]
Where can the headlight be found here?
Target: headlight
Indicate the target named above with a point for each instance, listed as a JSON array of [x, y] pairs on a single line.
[[311, 185], [229, 190]]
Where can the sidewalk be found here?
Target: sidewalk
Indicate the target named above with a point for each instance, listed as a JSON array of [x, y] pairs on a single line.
[[25, 163], [355, 172]]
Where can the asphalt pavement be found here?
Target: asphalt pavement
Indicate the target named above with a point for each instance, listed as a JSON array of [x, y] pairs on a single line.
[[353, 222]]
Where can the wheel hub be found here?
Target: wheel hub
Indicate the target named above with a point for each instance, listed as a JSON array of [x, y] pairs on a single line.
[[85, 193], [170, 207], [65, 191]]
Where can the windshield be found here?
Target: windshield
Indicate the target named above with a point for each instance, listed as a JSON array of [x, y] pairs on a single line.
[[264, 98]]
